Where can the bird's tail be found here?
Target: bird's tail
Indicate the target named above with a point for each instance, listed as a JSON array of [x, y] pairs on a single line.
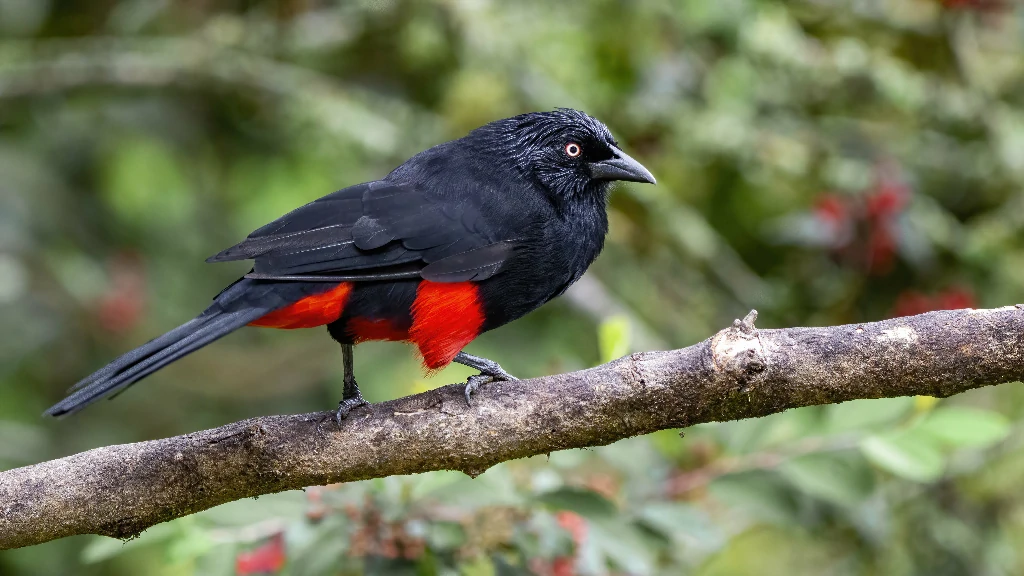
[[133, 366]]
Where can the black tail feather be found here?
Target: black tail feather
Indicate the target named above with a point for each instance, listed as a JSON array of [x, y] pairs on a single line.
[[142, 352], [135, 365]]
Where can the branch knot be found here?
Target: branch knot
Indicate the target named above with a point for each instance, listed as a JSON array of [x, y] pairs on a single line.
[[737, 350]]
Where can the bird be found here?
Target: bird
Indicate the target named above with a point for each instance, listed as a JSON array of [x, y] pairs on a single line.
[[460, 239]]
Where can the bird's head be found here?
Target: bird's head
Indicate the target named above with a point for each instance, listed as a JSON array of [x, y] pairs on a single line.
[[571, 153]]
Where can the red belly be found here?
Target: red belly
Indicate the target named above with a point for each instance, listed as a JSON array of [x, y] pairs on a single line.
[[445, 318]]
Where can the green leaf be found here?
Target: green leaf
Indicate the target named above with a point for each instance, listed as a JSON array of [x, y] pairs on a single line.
[[422, 485], [479, 566], [290, 505], [613, 338], [776, 551], [193, 542], [495, 487], [907, 454], [860, 414], [586, 503], [965, 427], [446, 535], [544, 537], [759, 493], [842, 478], [315, 549], [668, 443], [622, 543], [682, 523], [103, 547], [220, 561], [791, 425]]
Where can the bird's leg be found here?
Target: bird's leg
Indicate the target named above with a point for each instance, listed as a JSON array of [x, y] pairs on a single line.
[[489, 372], [351, 398]]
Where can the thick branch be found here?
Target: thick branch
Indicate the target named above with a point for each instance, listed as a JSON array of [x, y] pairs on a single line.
[[740, 372]]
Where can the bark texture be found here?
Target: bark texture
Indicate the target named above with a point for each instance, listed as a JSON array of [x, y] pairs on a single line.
[[740, 372]]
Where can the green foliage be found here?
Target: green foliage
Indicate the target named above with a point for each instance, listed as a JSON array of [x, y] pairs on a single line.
[[613, 338], [966, 427], [823, 162], [905, 453]]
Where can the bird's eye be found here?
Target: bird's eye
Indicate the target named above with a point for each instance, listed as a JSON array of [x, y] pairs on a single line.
[[573, 149]]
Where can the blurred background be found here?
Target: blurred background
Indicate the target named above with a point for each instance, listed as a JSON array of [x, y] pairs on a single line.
[[822, 161]]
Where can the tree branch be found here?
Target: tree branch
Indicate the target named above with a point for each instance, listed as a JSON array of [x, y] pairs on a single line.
[[740, 372]]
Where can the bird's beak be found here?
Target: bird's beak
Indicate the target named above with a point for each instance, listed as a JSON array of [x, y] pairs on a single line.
[[622, 167]]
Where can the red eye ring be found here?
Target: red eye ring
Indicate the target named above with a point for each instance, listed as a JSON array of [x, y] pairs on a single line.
[[573, 149]]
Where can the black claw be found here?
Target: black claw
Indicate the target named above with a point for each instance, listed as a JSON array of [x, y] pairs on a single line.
[[474, 382], [490, 371], [347, 405]]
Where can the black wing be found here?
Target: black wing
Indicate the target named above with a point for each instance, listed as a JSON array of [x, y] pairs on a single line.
[[375, 231]]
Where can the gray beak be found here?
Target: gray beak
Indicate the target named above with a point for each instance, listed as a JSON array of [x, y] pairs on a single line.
[[622, 167]]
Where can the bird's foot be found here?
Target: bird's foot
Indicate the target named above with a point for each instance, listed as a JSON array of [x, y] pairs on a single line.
[[475, 381], [351, 399], [347, 405], [490, 371]]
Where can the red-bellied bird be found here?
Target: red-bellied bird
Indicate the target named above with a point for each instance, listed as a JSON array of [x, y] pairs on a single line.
[[460, 239]]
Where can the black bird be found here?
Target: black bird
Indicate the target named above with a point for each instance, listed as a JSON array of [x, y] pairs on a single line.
[[460, 239]]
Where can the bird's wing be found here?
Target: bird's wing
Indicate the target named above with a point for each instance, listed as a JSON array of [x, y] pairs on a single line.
[[375, 231]]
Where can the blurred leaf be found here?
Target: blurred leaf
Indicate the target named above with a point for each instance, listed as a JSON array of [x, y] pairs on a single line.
[[906, 454], [545, 537], [586, 503], [682, 523], [842, 478], [314, 550], [925, 403], [190, 543], [424, 484], [622, 543], [668, 443], [219, 561], [965, 427], [282, 505], [635, 459], [790, 425], [479, 566], [102, 547], [446, 535], [759, 493], [494, 487], [743, 436], [776, 551], [1000, 479], [866, 414], [613, 338]]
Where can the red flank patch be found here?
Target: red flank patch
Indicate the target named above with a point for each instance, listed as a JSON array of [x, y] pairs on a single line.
[[311, 311]]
